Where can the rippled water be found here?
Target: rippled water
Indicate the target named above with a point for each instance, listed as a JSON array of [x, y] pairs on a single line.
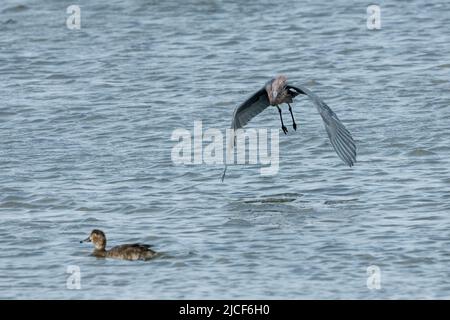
[[86, 118]]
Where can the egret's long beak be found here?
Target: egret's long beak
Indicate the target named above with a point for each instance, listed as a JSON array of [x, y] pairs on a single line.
[[88, 239]]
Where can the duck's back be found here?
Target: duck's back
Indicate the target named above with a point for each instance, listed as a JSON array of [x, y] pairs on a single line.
[[136, 251]]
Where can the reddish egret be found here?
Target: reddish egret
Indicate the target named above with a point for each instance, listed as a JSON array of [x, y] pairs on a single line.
[[278, 91]]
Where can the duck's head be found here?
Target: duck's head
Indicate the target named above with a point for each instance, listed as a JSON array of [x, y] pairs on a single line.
[[98, 238]]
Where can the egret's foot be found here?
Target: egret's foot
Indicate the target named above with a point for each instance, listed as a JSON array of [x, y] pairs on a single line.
[[294, 125], [285, 130]]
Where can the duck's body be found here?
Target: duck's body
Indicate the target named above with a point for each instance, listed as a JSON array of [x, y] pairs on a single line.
[[136, 251]]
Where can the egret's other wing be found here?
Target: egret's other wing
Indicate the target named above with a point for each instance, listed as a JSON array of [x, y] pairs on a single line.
[[243, 113], [249, 109], [340, 137]]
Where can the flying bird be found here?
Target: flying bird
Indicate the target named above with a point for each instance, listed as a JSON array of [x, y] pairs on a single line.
[[278, 91]]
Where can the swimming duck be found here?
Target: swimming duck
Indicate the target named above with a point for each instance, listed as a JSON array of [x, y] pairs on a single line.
[[136, 251]]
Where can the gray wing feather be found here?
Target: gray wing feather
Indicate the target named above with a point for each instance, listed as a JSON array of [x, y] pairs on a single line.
[[249, 109], [340, 137], [246, 111]]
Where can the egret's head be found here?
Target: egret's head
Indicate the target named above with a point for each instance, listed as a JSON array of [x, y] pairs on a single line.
[[275, 87]]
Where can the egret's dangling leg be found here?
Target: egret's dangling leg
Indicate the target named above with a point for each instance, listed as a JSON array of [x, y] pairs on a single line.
[[294, 125], [285, 130]]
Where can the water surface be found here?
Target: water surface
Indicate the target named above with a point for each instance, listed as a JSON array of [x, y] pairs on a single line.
[[86, 118]]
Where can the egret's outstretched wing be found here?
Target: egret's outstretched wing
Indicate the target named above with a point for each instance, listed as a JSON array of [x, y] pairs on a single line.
[[249, 109], [340, 137], [246, 111]]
